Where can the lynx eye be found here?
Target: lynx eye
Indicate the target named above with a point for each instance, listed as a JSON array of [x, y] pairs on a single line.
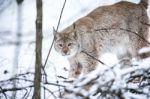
[[60, 45], [69, 44]]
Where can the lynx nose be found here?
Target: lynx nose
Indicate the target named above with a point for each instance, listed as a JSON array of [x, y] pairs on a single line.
[[65, 50]]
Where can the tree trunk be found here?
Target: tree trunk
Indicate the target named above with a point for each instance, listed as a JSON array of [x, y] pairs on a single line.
[[38, 50]]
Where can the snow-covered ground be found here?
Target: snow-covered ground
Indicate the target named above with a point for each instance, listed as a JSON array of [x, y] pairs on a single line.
[[74, 9]]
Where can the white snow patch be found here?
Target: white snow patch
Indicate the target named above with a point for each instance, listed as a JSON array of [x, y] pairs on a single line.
[[144, 50]]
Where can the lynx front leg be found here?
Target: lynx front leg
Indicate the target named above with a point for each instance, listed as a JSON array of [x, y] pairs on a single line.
[[88, 63], [75, 68]]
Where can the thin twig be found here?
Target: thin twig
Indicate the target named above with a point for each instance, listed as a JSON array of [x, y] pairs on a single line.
[[3, 92], [49, 83], [135, 34], [130, 31], [111, 68], [54, 84], [26, 93], [45, 74], [16, 89], [52, 93], [94, 58], [145, 24], [56, 30], [8, 43], [53, 40]]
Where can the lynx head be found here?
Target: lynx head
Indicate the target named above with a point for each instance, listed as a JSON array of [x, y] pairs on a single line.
[[66, 43]]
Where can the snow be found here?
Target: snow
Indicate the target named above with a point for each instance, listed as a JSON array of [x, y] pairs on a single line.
[[144, 50], [106, 80], [51, 9], [109, 59]]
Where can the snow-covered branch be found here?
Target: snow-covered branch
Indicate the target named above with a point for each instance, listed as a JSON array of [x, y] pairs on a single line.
[[126, 83]]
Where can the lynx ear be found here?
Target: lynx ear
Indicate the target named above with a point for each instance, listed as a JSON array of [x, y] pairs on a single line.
[[74, 34], [54, 31], [56, 34]]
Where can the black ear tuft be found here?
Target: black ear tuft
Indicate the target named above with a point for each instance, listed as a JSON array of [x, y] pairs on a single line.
[[74, 34], [54, 31], [56, 35]]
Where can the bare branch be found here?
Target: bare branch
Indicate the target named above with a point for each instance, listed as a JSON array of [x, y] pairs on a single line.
[[15, 89], [52, 93], [7, 43], [3, 92], [135, 34], [128, 30], [56, 30], [145, 24], [94, 58]]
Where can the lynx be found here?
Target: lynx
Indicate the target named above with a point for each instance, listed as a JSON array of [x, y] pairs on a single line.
[[116, 28]]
